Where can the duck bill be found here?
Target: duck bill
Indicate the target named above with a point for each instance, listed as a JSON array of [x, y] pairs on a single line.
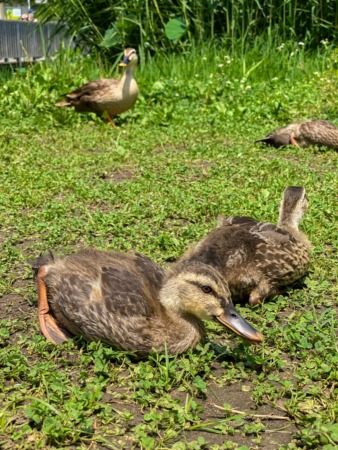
[[124, 62], [235, 322]]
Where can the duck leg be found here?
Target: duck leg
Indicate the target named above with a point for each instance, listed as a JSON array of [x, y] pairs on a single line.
[[49, 326], [259, 293], [263, 291], [293, 141], [110, 120], [255, 298]]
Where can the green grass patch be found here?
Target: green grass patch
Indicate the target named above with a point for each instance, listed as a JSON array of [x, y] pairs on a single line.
[[156, 184]]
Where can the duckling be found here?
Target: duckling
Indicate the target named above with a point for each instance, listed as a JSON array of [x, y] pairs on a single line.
[[107, 95], [258, 258], [128, 301], [304, 134]]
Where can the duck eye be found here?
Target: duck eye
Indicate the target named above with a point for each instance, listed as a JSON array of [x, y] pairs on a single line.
[[206, 289]]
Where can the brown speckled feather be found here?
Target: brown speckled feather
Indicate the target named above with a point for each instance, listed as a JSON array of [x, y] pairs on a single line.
[[106, 95], [306, 133], [258, 258], [128, 302], [93, 292]]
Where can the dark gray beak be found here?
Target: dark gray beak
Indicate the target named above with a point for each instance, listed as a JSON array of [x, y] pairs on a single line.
[[235, 322], [125, 61]]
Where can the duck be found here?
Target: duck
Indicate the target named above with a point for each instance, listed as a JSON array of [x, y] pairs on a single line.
[[304, 134], [107, 96], [131, 303], [258, 259]]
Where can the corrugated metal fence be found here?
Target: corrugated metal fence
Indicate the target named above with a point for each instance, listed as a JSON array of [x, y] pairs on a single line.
[[27, 41]]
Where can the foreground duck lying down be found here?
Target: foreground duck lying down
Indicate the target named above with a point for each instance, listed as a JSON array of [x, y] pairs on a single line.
[[304, 134], [107, 95], [255, 258], [129, 302]]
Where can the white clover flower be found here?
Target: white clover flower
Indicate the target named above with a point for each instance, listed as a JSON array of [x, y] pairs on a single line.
[[281, 47], [220, 65], [301, 43]]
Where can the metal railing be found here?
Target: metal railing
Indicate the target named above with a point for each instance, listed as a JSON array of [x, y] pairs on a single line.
[[28, 41]]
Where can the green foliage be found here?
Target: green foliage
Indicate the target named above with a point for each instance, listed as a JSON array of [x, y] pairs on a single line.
[[175, 29], [153, 25]]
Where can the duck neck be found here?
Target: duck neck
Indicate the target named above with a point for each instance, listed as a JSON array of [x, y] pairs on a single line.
[[128, 83], [180, 330], [288, 222], [181, 333], [129, 71], [289, 219]]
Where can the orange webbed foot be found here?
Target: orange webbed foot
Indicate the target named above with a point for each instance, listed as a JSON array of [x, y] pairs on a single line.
[[49, 326], [293, 140]]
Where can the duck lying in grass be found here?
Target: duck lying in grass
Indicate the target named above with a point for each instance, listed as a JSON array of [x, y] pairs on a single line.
[[304, 134], [256, 258], [129, 302], [107, 95]]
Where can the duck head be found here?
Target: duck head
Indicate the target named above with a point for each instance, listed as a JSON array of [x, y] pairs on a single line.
[[130, 58], [198, 290]]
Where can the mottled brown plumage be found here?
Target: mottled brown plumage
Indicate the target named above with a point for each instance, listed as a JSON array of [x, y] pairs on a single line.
[[129, 302], [108, 96], [304, 134], [256, 258]]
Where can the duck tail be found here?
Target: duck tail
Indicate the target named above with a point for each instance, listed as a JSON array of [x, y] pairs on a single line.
[[63, 103], [40, 261], [266, 140]]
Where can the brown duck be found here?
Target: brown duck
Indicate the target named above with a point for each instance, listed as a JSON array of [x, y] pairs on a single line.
[[107, 95], [257, 258], [129, 302], [304, 134]]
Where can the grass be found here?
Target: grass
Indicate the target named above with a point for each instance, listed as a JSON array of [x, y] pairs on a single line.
[[157, 183]]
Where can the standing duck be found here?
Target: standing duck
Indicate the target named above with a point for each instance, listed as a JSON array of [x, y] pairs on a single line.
[[107, 95], [258, 258], [304, 134], [129, 302]]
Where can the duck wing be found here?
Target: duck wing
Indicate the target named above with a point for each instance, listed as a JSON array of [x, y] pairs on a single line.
[[319, 132], [87, 97], [91, 88], [271, 234], [105, 296], [242, 221]]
